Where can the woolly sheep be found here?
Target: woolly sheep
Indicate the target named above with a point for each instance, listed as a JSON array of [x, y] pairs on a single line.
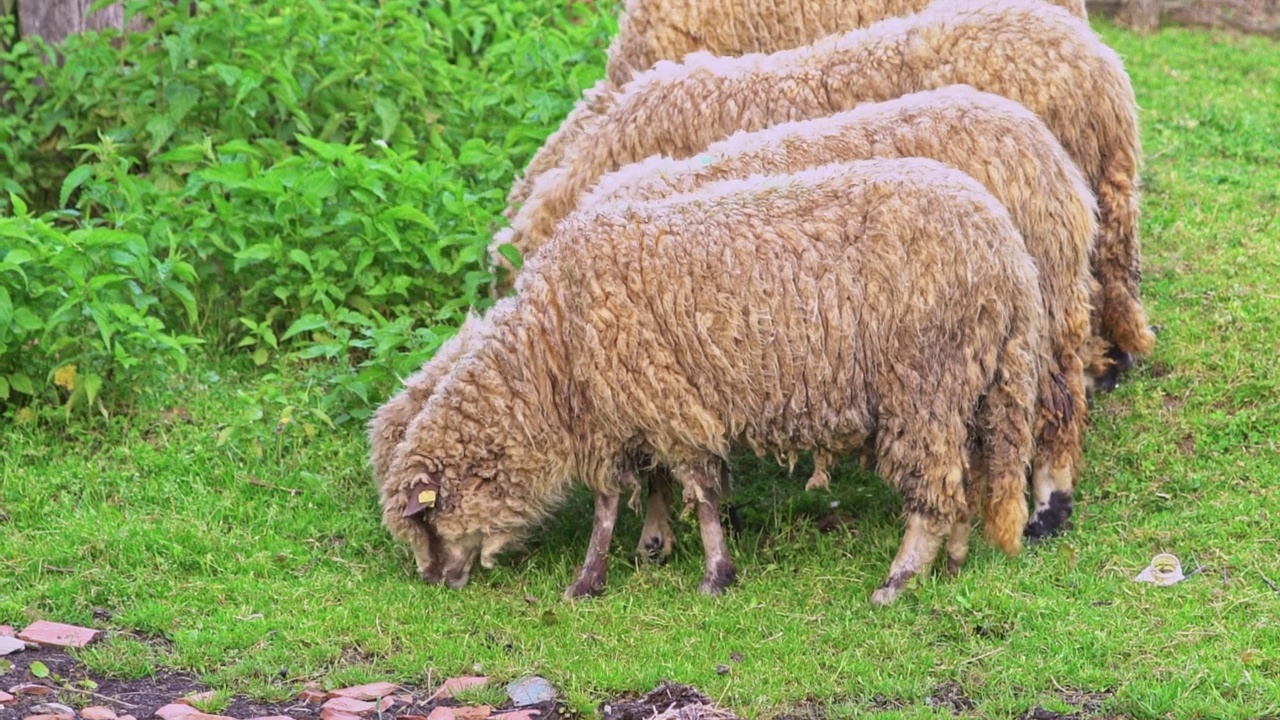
[[1025, 50], [996, 141], [883, 300], [653, 30]]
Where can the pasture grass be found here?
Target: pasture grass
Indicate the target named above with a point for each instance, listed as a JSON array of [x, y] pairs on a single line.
[[259, 562]]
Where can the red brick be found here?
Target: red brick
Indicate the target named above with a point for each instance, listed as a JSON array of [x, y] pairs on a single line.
[[274, 717], [51, 717], [128, 717], [348, 705], [411, 717], [312, 696], [472, 713], [6, 631], [201, 697], [337, 715], [98, 712], [31, 689], [518, 715], [6, 699], [441, 713], [453, 685], [57, 634], [175, 710], [368, 691]]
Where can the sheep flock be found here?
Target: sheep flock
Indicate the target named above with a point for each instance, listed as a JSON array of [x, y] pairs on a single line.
[[900, 231]]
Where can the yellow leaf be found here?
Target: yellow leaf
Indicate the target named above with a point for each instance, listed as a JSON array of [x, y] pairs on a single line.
[[65, 376], [26, 415]]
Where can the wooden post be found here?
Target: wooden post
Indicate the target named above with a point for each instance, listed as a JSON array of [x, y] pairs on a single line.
[[54, 20]]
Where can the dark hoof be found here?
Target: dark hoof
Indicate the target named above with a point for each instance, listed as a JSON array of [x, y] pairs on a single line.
[[1051, 520], [735, 520], [953, 565], [1122, 359], [715, 582], [653, 547], [1107, 381]]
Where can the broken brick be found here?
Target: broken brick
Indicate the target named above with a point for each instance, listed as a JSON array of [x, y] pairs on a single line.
[[454, 685], [6, 699], [337, 715], [128, 717], [31, 689], [6, 631], [274, 717], [441, 713], [312, 696], [51, 717], [518, 715], [98, 712], [471, 713], [201, 697], [411, 717], [55, 634], [368, 691], [348, 705], [175, 710]]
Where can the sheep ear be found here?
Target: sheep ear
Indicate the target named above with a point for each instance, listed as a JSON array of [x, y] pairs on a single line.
[[423, 495]]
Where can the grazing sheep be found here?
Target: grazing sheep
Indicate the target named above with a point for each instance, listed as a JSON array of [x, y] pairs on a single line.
[[653, 30], [996, 141], [387, 426], [888, 301], [1026, 50]]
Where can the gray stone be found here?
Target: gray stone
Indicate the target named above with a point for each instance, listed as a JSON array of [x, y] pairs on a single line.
[[10, 645], [531, 691], [52, 708]]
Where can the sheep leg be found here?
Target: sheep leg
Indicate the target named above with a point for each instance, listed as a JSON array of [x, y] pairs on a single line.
[[918, 549], [1052, 488], [591, 580], [958, 544], [656, 538], [708, 487]]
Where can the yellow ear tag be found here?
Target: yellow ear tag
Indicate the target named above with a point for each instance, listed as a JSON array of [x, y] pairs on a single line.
[[427, 497]]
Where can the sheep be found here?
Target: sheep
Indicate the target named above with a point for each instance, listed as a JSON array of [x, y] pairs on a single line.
[[888, 301], [653, 30], [996, 141], [1025, 50]]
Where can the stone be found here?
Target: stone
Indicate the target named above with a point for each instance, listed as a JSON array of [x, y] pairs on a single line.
[[31, 689], [411, 717], [10, 645], [441, 713], [454, 685], [200, 697], [368, 691], [52, 708], [348, 705], [6, 631], [175, 710], [337, 715], [526, 714], [51, 717], [274, 717], [471, 713], [128, 717], [312, 696], [55, 634], [531, 691], [6, 699], [98, 712]]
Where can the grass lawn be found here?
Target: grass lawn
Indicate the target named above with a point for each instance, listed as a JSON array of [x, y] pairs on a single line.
[[259, 561]]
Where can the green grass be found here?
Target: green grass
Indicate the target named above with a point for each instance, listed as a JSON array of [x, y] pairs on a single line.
[[236, 561]]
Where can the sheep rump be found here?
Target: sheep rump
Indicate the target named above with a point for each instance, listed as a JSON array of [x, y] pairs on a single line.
[[1026, 50], [1003, 146], [888, 301]]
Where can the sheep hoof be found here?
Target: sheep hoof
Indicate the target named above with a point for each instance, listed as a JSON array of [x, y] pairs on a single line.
[[1051, 519], [1123, 360], [715, 582], [584, 588], [953, 565], [884, 596], [655, 549]]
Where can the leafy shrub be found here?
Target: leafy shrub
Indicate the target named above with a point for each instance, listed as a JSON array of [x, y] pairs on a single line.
[[316, 178]]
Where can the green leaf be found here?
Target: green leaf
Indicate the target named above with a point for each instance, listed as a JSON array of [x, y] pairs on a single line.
[[92, 384], [4, 389], [260, 356], [388, 116], [408, 214], [22, 383], [303, 324], [74, 179], [6, 309], [512, 254], [160, 128], [473, 152], [301, 258], [38, 669]]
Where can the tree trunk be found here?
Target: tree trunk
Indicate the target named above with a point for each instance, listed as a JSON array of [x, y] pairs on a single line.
[[1251, 16], [54, 20], [1140, 15]]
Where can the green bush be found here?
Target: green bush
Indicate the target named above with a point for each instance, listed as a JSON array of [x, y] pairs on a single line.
[[309, 178]]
